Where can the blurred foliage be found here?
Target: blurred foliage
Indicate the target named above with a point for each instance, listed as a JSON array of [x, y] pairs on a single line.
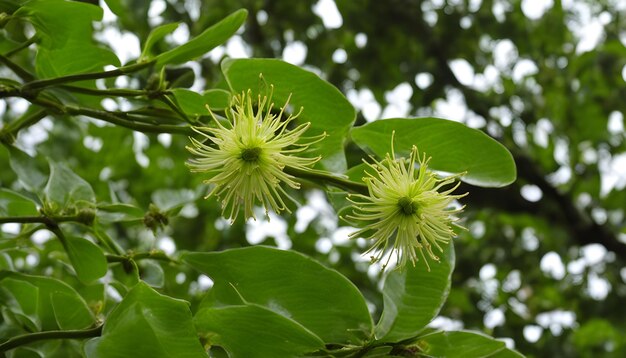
[[573, 92], [538, 262]]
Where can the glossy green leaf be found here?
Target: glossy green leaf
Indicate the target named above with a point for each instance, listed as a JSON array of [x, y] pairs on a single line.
[[65, 188], [195, 104], [24, 301], [15, 204], [25, 352], [250, 331], [87, 258], [190, 102], [463, 344], [47, 312], [205, 42], [155, 36], [454, 148], [67, 317], [73, 58], [147, 324], [65, 29], [216, 99], [413, 297], [291, 284], [325, 107], [32, 172]]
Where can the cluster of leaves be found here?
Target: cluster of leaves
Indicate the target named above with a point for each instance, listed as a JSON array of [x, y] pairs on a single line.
[[98, 276]]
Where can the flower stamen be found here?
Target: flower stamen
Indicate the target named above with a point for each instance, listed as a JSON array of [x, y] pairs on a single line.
[[405, 211], [247, 156], [407, 206], [251, 155]]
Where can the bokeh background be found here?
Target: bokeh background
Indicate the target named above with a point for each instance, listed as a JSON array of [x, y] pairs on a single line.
[[542, 264]]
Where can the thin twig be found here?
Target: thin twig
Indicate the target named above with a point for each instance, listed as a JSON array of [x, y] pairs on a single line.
[[39, 336]]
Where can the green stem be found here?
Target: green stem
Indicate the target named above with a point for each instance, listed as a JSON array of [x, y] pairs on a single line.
[[111, 117], [141, 127], [108, 242], [27, 120], [109, 92], [153, 255], [168, 101], [48, 220], [26, 219], [22, 46], [39, 336], [85, 76], [160, 113], [150, 255], [17, 69], [317, 176]]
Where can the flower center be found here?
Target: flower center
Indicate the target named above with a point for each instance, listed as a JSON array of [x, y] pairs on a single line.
[[250, 154], [407, 206]]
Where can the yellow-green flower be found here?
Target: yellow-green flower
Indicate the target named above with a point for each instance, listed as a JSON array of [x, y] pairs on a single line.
[[405, 209], [246, 157]]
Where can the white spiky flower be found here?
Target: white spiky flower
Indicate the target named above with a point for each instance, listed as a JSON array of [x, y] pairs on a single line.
[[405, 209], [246, 157]]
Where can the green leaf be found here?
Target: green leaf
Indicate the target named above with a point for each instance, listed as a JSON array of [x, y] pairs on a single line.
[[32, 172], [291, 284], [15, 204], [190, 102], [194, 104], [65, 29], [147, 324], [413, 297], [67, 317], [65, 188], [216, 99], [87, 258], [463, 344], [454, 148], [325, 107], [250, 331], [110, 213], [24, 306], [155, 36], [73, 58], [47, 312], [205, 42]]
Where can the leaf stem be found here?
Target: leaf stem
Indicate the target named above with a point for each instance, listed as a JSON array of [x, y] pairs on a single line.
[[151, 255], [109, 92], [21, 46], [33, 85], [107, 241], [48, 220], [168, 101], [17, 69], [27, 120], [38, 336], [317, 176], [141, 127]]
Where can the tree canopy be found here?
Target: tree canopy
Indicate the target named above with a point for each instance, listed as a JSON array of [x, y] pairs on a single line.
[[105, 231]]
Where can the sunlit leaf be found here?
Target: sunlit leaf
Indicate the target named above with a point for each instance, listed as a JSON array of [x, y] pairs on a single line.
[[454, 148], [413, 297], [325, 107], [290, 284], [147, 324], [205, 42]]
